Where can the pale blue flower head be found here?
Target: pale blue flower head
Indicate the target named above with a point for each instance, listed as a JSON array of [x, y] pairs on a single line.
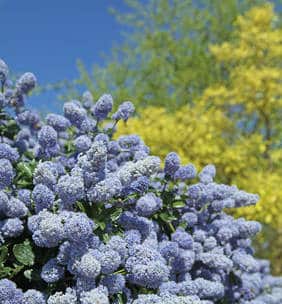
[[185, 172], [87, 99], [9, 294], [102, 107], [70, 188], [6, 151], [82, 143], [4, 71], [114, 282], [125, 110], [15, 208], [78, 227], [12, 227], [26, 83], [148, 204], [52, 272], [207, 174], [97, 295], [47, 137], [33, 296], [43, 197], [75, 113], [182, 238], [58, 122], [172, 164], [46, 173], [88, 266], [69, 297], [6, 173]]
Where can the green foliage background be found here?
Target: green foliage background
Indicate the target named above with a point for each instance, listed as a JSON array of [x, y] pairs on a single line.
[[165, 60]]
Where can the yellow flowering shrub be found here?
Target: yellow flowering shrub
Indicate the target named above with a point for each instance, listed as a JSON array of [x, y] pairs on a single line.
[[253, 60]]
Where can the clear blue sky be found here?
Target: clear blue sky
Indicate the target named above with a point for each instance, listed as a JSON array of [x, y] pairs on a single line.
[[46, 37]]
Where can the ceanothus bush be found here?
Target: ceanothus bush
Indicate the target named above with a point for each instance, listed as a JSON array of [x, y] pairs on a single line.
[[87, 219]]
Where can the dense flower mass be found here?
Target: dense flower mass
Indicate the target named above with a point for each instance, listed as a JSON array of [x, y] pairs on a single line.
[[87, 219]]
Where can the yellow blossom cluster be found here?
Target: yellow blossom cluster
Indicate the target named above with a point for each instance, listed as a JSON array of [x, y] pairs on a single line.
[[253, 60]]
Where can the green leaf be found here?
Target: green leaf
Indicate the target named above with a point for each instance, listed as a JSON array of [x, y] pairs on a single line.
[[81, 207], [3, 253], [23, 183], [116, 214], [29, 155], [28, 274], [178, 204], [167, 217], [17, 268], [5, 271], [120, 271], [183, 225], [24, 169], [120, 299], [106, 237], [23, 253], [101, 225], [70, 147]]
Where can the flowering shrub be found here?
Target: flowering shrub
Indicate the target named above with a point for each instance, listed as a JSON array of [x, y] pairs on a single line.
[[239, 118], [88, 219]]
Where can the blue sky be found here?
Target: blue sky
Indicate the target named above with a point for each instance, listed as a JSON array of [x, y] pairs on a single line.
[[48, 36]]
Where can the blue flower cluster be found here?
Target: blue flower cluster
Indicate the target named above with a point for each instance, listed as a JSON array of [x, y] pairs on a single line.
[[99, 220]]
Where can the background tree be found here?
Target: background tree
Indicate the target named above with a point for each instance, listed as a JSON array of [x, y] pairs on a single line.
[[165, 59]]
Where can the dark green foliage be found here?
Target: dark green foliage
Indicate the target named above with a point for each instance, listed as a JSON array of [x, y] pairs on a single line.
[[23, 253]]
